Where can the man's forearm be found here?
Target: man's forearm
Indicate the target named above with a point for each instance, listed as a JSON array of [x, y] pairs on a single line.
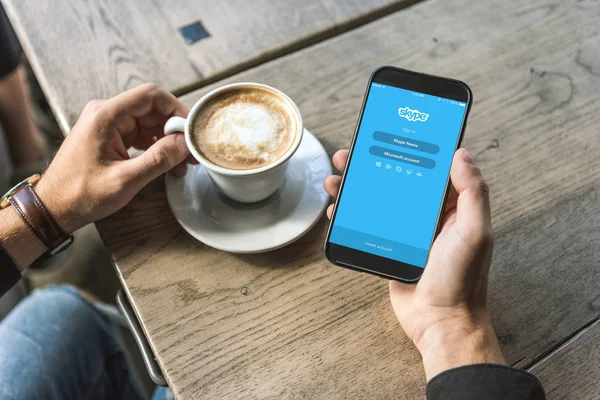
[[18, 240]]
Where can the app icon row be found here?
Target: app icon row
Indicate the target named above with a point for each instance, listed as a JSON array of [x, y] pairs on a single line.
[[398, 168]]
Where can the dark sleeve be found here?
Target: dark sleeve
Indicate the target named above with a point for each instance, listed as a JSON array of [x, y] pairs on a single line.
[[10, 49], [485, 381], [9, 273]]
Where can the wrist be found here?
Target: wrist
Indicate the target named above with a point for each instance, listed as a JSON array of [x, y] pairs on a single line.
[[58, 204], [455, 343], [18, 240]]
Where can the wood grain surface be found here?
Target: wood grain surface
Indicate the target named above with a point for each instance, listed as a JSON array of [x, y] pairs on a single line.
[[86, 49], [287, 324], [571, 372]]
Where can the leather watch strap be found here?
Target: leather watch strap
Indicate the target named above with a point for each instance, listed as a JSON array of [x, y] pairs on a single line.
[[9, 273], [33, 211]]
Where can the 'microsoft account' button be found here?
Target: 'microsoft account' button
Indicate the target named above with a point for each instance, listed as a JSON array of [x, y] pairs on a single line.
[[402, 157], [406, 142]]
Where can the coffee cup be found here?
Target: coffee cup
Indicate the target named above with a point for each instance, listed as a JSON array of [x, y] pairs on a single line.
[[244, 147]]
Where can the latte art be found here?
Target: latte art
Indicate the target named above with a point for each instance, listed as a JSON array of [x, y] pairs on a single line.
[[244, 129]]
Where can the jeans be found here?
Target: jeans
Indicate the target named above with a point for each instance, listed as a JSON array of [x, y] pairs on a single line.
[[56, 345]]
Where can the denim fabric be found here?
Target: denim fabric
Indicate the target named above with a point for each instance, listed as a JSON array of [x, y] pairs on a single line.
[[56, 345]]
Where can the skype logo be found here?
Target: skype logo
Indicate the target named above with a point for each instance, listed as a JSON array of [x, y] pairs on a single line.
[[412, 115]]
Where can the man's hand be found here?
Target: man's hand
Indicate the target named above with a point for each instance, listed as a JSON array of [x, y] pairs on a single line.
[[445, 313], [92, 175]]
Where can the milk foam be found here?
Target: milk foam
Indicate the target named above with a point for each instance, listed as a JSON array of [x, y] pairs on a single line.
[[253, 129], [245, 129]]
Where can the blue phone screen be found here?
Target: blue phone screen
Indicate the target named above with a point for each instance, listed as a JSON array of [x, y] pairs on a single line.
[[395, 182]]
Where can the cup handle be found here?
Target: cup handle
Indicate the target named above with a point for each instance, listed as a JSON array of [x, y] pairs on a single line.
[[174, 124]]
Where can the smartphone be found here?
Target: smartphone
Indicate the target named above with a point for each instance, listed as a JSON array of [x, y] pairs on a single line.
[[393, 190]]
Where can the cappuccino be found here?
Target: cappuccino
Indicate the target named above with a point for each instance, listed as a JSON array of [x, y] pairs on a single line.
[[245, 128]]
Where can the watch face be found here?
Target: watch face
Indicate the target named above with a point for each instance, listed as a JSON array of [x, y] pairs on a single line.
[[32, 180]]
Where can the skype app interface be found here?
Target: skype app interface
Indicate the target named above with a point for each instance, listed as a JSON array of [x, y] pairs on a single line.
[[396, 179]]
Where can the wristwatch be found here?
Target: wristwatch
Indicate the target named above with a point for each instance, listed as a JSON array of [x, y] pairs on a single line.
[[35, 214]]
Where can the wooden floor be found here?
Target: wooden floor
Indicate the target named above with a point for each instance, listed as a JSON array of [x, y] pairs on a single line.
[[287, 324]]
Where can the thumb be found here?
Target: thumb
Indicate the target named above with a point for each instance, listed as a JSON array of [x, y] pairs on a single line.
[[473, 207], [162, 156]]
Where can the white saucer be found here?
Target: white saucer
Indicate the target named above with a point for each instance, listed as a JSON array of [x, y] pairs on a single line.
[[219, 222]]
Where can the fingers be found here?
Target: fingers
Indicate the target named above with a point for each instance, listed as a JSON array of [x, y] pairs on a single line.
[[451, 200], [140, 140], [167, 153], [332, 185], [191, 160], [330, 211], [339, 159], [140, 114], [141, 100], [473, 204], [179, 170]]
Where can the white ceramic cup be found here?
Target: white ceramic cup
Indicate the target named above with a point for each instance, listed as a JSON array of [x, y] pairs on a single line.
[[246, 186]]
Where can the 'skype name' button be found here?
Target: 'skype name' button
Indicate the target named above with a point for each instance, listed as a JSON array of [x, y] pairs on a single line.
[[406, 142]]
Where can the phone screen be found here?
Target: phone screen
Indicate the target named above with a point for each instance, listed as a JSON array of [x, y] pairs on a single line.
[[397, 175]]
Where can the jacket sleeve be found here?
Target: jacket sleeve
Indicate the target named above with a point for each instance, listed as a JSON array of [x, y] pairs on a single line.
[[485, 381], [9, 274]]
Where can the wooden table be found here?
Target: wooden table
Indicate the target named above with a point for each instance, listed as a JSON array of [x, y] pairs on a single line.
[[287, 324], [86, 49]]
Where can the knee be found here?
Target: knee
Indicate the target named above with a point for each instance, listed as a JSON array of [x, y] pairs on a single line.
[[55, 338], [58, 302], [54, 309]]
